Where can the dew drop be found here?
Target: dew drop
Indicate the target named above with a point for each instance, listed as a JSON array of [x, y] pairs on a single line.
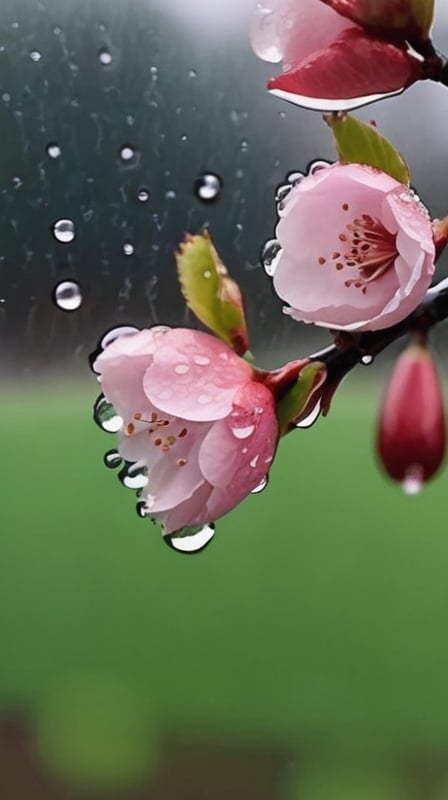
[[112, 459], [53, 150], [207, 187], [105, 57], [128, 249], [143, 195], [413, 480], [127, 153], [110, 336], [192, 73], [317, 165], [271, 250], [243, 431], [191, 540], [134, 476], [35, 55], [105, 416], [244, 145], [367, 359], [181, 369], [311, 418], [201, 361], [170, 194], [295, 177], [67, 295], [261, 486], [64, 230], [282, 194]]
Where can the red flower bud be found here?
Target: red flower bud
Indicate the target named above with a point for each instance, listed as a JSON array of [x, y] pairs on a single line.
[[411, 436]]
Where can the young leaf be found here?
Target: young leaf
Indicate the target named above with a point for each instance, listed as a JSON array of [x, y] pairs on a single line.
[[358, 143], [210, 292], [300, 399]]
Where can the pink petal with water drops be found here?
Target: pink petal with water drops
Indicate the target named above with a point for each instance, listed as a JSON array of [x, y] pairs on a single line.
[[371, 261], [191, 513], [292, 31], [194, 376], [122, 366], [236, 453]]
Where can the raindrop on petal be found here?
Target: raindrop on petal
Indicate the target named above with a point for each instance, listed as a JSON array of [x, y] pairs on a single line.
[[112, 459], [105, 416], [134, 475], [122, 330], [243, 431], [67, 295], [261, 486], [269, 256], [191, 540]]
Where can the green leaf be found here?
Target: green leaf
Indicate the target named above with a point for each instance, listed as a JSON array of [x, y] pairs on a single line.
[[300, 397], [358, 143], [210, 292]]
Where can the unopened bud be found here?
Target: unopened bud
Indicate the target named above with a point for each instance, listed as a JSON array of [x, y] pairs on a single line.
[[411, 436]]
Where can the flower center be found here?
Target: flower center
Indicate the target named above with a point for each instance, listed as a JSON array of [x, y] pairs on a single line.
[[367, 247], [155, 425]]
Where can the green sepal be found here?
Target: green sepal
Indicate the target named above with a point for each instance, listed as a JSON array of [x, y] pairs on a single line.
[[423, 14], [210, 292], [299, 398], [359, 143]]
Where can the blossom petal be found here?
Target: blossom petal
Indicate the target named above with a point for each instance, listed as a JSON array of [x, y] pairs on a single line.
[[194, 376], [237, 451], [354, 70]]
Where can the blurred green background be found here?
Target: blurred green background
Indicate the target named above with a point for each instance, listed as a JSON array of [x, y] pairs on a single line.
[[314, 624]]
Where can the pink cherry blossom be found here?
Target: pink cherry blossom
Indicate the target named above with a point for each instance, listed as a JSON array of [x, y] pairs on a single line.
[[330, 62], [194, 416], [357, 250]]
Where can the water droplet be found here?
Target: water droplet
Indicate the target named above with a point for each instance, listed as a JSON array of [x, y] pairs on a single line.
[[143, 195], [207, 187], [154, 72], [127, 153], [269, 256], [134, 476], [170, 194], [191, 540], [112, 459], [413, 480], [53, 150], [64, 230], [57, 30], [128, 249], [110, 336], [181, 369], [295, 177], [192, 73], [67, 295], [311, 418], [261, 486], [367, 359], [317, 165], [254, 461], [105, 416], [282, 196], [35, 55], [243, 431], [244, 145], [201, 361], [105, 57]]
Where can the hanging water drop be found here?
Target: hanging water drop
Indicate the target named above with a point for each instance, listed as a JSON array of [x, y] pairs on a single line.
[[105, 416], [295, 177], [269, 254], [413, 480], [191, 540], [312, 417], [207, 187], [367, 359], [261, 486], [112, 459], [122, 330], [317, 165], [67, 295], [64, 230], [53, 150], [134, 475]]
